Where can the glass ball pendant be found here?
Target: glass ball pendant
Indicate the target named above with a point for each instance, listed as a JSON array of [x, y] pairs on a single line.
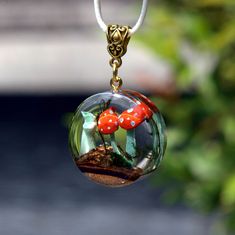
[[117, 138]]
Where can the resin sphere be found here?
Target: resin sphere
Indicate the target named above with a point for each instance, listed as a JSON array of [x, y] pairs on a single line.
[[116, 138]]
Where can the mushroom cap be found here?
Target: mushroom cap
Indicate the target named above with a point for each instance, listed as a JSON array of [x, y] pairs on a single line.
[[110, 111], [145, 109], [133, 117], [108, 124], [128, 121], [108, 121]]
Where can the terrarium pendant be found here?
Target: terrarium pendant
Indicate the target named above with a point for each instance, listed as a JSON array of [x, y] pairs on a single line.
[[118, 136]]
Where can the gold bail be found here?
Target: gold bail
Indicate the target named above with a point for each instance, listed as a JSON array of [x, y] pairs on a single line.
[[118, 38]]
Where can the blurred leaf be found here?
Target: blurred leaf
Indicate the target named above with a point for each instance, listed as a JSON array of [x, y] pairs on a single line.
[[228, 193], [225, 36], [175, 137], [205, 164], [228, 125], [214, 3], [203, 196]]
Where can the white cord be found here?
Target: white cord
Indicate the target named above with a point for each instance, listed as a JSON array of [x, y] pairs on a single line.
[[103, 26]]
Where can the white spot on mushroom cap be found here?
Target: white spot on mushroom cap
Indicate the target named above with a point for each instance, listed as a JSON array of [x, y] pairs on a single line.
[[121, 120], [111, 111], [132, 123], [128, 118], [109, 127], [130, 110], [138, 102], [110, 120]]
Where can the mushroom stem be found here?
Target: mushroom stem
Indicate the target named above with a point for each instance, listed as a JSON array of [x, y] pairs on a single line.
[[116, 150], [113, 143], [131, 143]]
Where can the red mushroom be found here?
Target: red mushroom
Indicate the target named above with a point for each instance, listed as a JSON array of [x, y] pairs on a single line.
[[110, 111], [133, 117], [145, 108], [129, 120], [108, 124]]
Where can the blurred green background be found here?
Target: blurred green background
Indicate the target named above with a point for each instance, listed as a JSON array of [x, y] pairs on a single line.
[[197, 38]]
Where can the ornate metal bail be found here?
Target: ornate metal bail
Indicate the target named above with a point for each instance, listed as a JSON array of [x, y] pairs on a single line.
[[118, 38]]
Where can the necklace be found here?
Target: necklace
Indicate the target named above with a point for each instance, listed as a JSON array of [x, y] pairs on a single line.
[[118, 136]]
